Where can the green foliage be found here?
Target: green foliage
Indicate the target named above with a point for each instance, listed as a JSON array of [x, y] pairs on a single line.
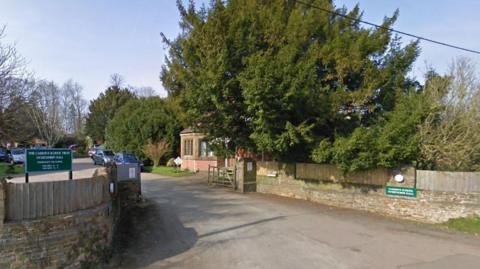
[[468, 225], [66, 141], [399, 141], [141, 121], [16, 122], [168, 171], [322, 153], [9, 170], [392, 141], [103, 109], [356, 152], [275, 76]]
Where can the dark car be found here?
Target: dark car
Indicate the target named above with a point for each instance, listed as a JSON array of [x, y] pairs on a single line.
[[126, 157], [102, 157], [3, 155]]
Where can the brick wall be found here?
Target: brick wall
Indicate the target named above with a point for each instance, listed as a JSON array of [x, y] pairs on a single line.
[[428, 206], [198, 165]]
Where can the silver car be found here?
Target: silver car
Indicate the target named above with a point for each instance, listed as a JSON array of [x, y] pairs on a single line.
[[16, 155], [102, 157]]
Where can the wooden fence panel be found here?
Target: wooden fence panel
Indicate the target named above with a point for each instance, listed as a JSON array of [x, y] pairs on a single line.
[[462, 182], [318, 172], [42, 199], [329, 172]]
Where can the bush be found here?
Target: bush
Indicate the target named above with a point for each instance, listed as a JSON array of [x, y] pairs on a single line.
[[141, 121], [171, 162], [323, 152], [356, 152], [156, 150]]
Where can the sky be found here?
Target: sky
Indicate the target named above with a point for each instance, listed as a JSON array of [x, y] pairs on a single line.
[[88, 40]]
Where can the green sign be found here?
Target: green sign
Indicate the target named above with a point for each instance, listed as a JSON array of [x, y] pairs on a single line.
[[401, 191], [45, 160]]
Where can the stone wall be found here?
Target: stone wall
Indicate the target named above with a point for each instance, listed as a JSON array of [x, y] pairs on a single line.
[[428, 206], [80, 239]]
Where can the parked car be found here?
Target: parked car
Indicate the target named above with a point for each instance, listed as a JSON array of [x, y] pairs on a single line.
[[73, 147], [127, 157], [92, 151], [3, 155], [102, 157], [16, 155]]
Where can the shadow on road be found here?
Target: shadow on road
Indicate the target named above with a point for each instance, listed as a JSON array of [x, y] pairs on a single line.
[[240, 226], [147, 233]]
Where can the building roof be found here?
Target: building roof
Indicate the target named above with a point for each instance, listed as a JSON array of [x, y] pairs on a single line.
[[187, 131]]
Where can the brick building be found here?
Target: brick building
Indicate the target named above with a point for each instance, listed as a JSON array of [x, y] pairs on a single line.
[[196, 154]]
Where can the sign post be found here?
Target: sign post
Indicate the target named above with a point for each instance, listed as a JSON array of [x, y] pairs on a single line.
[[178, 162], [48, 160]]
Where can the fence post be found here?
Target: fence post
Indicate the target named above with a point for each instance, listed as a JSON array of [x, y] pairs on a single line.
[[3, 201]]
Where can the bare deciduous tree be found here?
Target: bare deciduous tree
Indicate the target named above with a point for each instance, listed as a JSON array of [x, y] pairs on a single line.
[[156, 150], [116, 80], [12, 80], [46, 110], [73, 107], [143, 91], [450, 136]]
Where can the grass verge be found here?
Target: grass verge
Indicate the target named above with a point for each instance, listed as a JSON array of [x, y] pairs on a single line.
[[167, 171], [467, 225], [9, 170]]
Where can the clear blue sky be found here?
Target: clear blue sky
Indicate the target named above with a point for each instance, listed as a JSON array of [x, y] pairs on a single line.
[[87, 40]]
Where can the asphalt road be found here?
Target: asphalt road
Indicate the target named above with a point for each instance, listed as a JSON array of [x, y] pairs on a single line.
[[186, 224], [82, 168]]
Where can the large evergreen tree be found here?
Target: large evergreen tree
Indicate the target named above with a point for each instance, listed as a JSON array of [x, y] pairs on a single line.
[[103, 109], [143, 121], [276, 76]]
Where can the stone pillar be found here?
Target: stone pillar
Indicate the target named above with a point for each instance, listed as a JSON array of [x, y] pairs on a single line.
[[246, 175], [3, 201]]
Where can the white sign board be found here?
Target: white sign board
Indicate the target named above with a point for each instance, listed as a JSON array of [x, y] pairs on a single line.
[[131, 173], [249, 166], [178, 161]]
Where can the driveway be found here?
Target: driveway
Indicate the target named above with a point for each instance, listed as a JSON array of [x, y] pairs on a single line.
[[186, 224], [82, 168]]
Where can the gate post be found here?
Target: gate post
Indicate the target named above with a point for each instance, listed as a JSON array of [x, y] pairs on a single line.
[[3, 201], [246, 175]]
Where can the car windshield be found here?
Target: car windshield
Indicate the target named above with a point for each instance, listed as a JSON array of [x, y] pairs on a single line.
[[108, 152], [129, 158], [18, 151]]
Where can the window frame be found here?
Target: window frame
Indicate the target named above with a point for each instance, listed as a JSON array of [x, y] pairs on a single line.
[[205, 152], [188, 147]]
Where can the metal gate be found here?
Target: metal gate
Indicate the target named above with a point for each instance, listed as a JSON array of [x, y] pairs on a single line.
[[222, 176]]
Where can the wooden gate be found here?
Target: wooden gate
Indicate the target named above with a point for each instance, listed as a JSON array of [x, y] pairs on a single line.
[[222, 176]]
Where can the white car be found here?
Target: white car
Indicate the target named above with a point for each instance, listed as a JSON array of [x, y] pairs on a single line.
[[17, 156]]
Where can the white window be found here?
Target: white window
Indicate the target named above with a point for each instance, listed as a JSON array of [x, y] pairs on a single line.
[[205, 150]]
